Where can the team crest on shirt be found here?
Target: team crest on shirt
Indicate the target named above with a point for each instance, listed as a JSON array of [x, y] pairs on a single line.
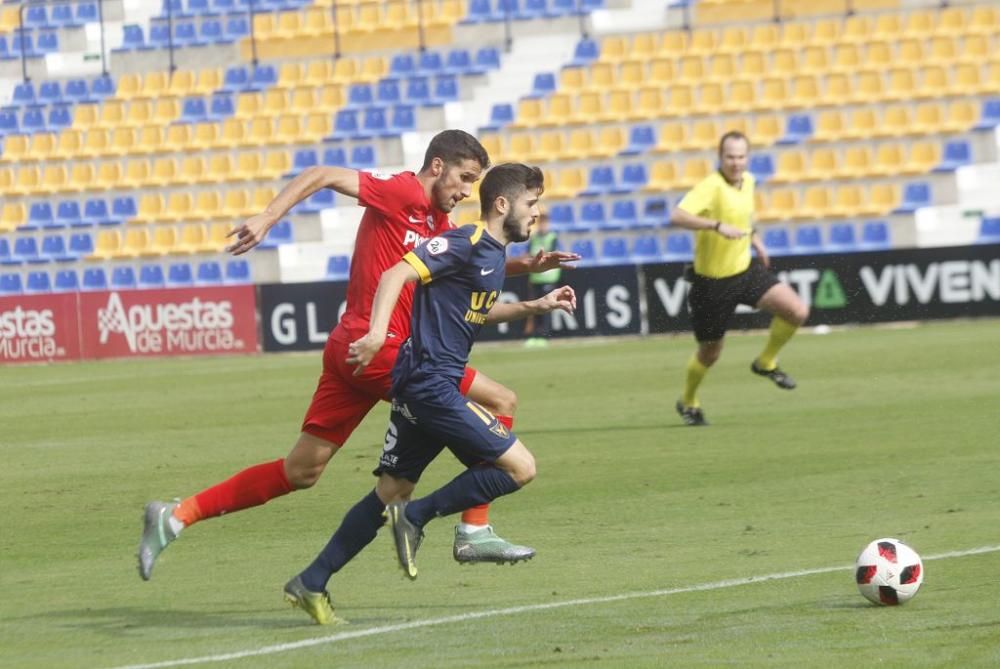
[[437, 246]]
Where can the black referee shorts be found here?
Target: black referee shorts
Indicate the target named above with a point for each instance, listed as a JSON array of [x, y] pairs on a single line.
[[713, 301]]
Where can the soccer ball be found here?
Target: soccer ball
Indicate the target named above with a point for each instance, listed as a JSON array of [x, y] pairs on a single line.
[[888, 572]]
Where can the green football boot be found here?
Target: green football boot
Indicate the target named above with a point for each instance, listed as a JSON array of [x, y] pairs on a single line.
[[485, 546], [156, 535]]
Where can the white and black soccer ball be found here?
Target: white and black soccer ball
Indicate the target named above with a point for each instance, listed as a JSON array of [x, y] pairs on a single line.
[[888, 572]]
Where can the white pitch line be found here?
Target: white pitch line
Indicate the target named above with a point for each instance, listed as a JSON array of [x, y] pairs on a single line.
[[475, 615]]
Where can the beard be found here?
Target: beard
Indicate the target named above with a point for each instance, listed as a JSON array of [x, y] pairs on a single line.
[[512, 230]]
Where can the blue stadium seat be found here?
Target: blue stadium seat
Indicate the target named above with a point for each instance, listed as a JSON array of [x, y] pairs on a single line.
[[123, 208], [989, 230], [9, 123], [264, 76], [501, 114], [48, 42], [186, 34], [956, 154], [209, 273], [86, 12], [776, 241], [634, 178], [808, 239], [5, 256], [601, 182], [623, 215], [679, 246], [62, 17], [10, 284], [194, 110], [94, 278], [159, 36], [646, 249], [402, 65], [222, 106], [418, 91], [50, 92], [488, 58], [39, 216], [123, 278], [561, 217], [321, 199], [875, 235], [81, 245], [75, 91], [614, 251], [534, 9], [989, 116], [335, 156], [54, 248], [360, 95], [281, 233], [236, 79], [543, 86], [585, 249], [387, 92], [446, 89], [238, 271], [36, 16], [24, 94], [102, 87], [95, 212], [237, 26], [404, 119], [460, 62], [5, 49], [26, 250], [345, 124], [430, 62], [60, 117], [586, 52], [179, 275], [641, 138], [915, 195], [798, 129], [375, 124], [151, 276], [33, 120], [655, 212], [210, 32], [593, 216], [761, 166], [338, 267], [363, 157], [303, 159], [66, 280], [842, 238], [479, 11]]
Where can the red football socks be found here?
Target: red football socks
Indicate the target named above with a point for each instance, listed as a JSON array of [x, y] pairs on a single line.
[[251, 487]]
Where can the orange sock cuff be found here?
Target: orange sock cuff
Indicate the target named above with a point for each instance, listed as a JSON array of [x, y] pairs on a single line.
[[507, 421], [188, 511], [477, 515]]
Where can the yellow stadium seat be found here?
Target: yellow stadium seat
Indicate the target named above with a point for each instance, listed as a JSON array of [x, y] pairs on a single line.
[[316, 22], [962, 115], [965, 80], [878, 54], [662, 177], [933, 82], [825, 31], [848, 201], [177, 135], [182, 84], [671, 43], [217, 239], [85, 116], [856, 28], [709, 98], [112, 114], [135, 243], [882, 199], [631, 74], [247, 105], [15, 148], [610, 141], [901, 84], [673, 136], [166, 110], [549, 146], [345, 70], [559, 110], [204, 136], [191, 170], [923, 158], [765, 37], [302, 99], [733, 40], [909, 51], [209, 80], [137, 171], [690, 69], [817, 202], [985, 20], [374, 68], [784, 62], [129, 86], [530, 112], [742, 97], [108, 175], [236, 204], [569, 181], [822, 165], [589, 107], [649, 104], [580, 144], [974, 49], [330, 97], [220, 168], [287, 130], [107, 244], [602, 76], [617, 107], [614, 49], [248, 166], [681, 101], [773, 94], [121, 141], [919, 23], [695, 169], [273, 102], [644, 46], [96, 142], [868, 86], [888, 26], [896, 121], [154, 85], [261, 198], [149, 139], [722, 67], [661, 71], [704, 135], [164, 172], [288, 25], [260, 131], [139, 113], [805, 92], [192, 238], [992, 80], [753, 64], [14, 215], [737, 124], [702, 42], [790, 167], [70, 143], [493, 143], [814, 60], [7, 179], [316, 127], [43, 146], [178, 207], [207, 205], [778, 204], [928, 118], [858, 162], [767, 129], [846, 58], [277, 163], [572, 78], [162, 241], [264, 25], [317, 73]]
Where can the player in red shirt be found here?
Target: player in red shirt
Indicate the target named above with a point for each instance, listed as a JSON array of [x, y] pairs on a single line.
[[401, 211]]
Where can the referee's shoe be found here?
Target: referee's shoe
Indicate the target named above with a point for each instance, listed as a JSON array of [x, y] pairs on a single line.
[[692, 415], [780, 379]]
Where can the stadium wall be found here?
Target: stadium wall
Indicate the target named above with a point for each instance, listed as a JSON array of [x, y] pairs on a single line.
[[868, 287]]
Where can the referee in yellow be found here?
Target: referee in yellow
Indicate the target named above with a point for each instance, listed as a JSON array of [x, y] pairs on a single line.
[[720, 211]]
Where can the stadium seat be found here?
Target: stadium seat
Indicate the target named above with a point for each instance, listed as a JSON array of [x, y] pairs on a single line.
[[874, 235], [655, 212], [623, 216], [956, 154], [842, 238], [645, 249], [123, 278], [338, 267], [150, 276], [179, 275], [585, 249], [592, 216], [11, 284], [679, 246], [808, 239], [614, 251], [989, 230], [66, 280], [209, 273], [915, 195], [38, 282], [238, 272], [776, 241], [94, 278]]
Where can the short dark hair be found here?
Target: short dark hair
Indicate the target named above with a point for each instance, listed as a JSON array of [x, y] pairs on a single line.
[[732, 134], [454, 146], [508, 180]]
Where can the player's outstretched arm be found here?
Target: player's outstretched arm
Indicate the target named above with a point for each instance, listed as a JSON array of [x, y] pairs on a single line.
[[561, 298], [362, 351], [252, 231], [541, 262]]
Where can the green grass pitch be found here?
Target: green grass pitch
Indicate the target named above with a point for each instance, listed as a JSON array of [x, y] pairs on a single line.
[[892, 432]]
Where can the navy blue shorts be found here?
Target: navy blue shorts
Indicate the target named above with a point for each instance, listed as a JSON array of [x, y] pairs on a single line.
[[420, 429]]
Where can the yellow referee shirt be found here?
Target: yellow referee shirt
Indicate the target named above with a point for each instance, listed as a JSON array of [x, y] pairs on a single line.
[[713, 198]]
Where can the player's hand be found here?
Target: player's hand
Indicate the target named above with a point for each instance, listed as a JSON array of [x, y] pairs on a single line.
[[361, 352], [730, 232], [763, 257], [249, 233], [561, 298], [546, 260]]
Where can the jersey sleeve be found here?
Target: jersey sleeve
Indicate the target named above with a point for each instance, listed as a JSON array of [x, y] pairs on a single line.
[[699, 199], [440, 256], [385, 195]]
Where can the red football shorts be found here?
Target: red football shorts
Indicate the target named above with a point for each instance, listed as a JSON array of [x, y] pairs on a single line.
[[342, 400]]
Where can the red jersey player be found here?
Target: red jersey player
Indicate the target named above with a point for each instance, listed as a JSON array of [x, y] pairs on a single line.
[[400, 213]]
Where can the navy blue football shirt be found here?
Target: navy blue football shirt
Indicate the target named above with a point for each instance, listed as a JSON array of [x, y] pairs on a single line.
[[461, 276]]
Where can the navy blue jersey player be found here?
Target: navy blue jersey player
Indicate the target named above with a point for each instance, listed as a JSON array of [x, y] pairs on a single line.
[[461, 275]]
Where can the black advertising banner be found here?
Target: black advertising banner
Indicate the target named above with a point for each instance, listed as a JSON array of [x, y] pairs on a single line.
[[299, 316], [881, 286], [607, 303]]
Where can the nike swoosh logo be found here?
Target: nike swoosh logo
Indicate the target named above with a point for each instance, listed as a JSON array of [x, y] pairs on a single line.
[[416, 221], [484, 272]]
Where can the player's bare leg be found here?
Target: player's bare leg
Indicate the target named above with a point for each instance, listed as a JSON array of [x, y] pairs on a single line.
[[789, 313], [164, 521], [475, 540]]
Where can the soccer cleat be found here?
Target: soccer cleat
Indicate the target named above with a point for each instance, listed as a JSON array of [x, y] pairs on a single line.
[[407, 537], [316, 604], [485, 546], [156, 534], [691, 415], [780, 379]]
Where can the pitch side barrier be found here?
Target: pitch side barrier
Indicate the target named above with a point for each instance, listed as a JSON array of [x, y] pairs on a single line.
[[867, 287]]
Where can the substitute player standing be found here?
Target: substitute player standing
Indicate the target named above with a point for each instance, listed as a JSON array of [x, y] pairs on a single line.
[[720, 210], [461, 273], [400, 213]]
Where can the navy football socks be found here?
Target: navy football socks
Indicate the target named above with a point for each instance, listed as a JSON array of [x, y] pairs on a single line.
[[359, 527], [472, 487]]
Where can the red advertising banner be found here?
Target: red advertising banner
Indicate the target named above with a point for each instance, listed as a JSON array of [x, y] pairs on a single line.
[[181, 321], [39, 328]]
